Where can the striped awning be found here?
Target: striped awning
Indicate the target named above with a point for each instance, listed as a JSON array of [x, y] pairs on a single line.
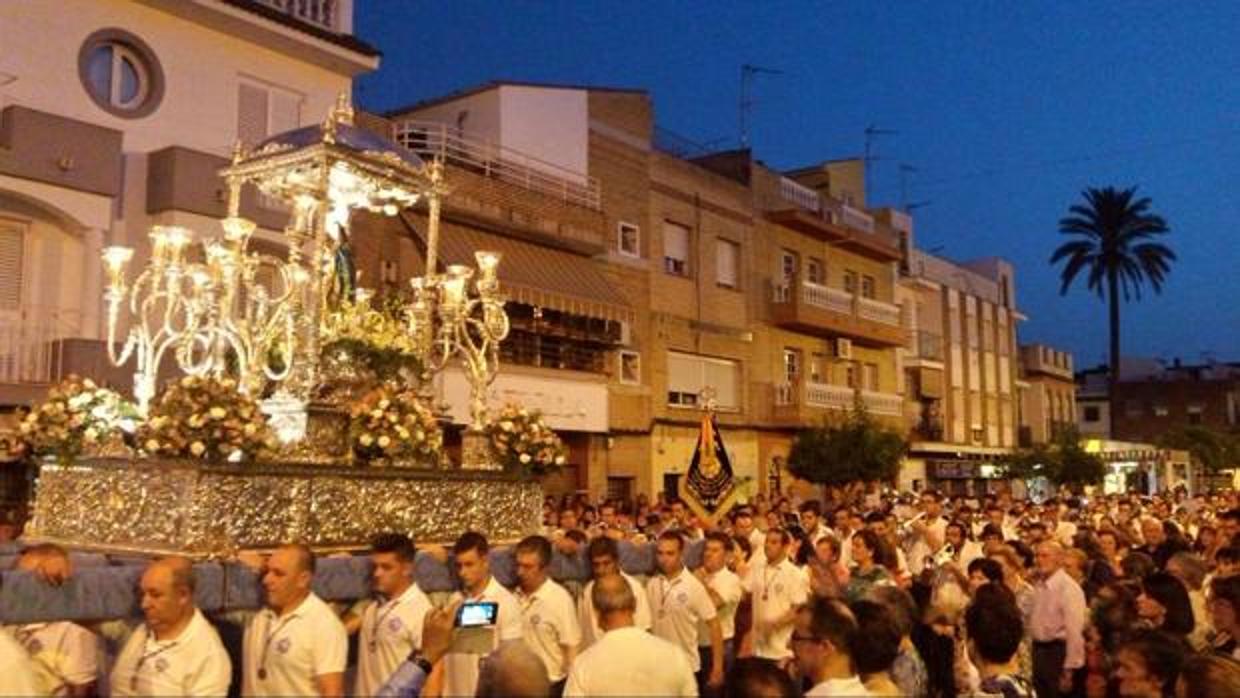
[[541, 276]]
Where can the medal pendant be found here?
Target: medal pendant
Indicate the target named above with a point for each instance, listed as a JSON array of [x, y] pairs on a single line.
[[262, 674]]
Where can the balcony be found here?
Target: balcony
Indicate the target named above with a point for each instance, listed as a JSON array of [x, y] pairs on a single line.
[[827, 312], [319, 13], [886, 404], [925, 346], [801, 208], [60, 151], [29, 348], [435, 140], [797, 402]]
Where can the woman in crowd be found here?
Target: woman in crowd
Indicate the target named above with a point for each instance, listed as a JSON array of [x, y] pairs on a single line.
[[1148, 664], [876, 647], [867, 570], [908, 671]]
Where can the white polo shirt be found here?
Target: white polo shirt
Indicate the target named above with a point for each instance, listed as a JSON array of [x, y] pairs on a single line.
[[548, 624], [461, 670], [590, 630], [727, 585], [390, 631], [16, 669], [284, 654], [776, 589], [680, 604], [194, 663], [64, 654], [628, 661]]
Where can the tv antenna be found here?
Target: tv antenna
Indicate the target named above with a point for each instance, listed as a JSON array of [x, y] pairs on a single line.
[[871, 132], [748, 72]]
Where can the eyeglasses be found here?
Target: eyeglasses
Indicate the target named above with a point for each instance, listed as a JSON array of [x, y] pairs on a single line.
[[803, 638]]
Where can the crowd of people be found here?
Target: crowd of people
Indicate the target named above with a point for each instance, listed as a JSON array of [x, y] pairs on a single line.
[[859, 593]]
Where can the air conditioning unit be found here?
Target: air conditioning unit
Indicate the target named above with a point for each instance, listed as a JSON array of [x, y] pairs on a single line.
[[843, 348]]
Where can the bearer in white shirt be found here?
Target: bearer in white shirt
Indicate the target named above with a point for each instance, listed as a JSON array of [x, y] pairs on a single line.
[[778, 587], [177, 652], [65, 655], [724, 589], [604, 557], [391, 628], [460, 673], [297, 645], [680, 605], [548, 615]]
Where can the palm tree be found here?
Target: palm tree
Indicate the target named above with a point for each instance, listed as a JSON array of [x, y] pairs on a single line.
[[1114, 237]]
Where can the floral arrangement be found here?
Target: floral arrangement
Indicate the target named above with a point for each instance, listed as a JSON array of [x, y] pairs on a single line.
[[77, 414], [378, 338], [521, 440], [205, 417], [392, 423]]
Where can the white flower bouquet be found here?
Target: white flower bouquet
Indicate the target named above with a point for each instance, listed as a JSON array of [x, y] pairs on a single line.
[[391, 424], [77, 415], [521, 440]]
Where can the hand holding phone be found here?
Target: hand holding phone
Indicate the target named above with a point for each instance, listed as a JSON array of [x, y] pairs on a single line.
[[477, 614]]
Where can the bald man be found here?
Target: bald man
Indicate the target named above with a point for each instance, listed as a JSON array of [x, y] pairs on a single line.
[[296, 645], [626, 660], [176, 651], [1056, 624]]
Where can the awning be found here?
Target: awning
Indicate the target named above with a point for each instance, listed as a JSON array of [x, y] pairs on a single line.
[[540, 276]]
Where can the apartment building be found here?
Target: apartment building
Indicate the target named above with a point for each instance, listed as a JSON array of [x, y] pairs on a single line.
[[960, 369], [116, 116], [1048, 398]]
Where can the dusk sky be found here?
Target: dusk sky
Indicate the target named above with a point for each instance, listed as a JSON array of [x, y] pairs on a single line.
[[1006, 110]]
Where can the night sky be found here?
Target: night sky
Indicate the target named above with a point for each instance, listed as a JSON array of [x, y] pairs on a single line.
[[1005, 110]]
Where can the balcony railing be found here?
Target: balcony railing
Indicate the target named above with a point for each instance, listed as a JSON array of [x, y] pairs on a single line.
[[878, 311], [824, 395], [839, 301], [856, 218], [29, 352], [321, 13], [491, 160], [799, 194], [891, 404]]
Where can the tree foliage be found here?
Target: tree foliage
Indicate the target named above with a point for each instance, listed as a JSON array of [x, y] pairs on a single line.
[[856, 449], [1063, 461], [1212, 450], [1114, 240]]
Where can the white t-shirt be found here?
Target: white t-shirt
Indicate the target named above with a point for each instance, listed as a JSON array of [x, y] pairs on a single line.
[[590, 630], [727, 585], [843, 688], [921, 550], [549, 624], [193, 664], [460, 669], [16, 669], [65, 654], [630, 662], [390, 631], [680, 605], [776, 589], [283, 655]]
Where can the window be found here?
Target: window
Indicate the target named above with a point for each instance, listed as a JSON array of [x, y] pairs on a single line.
[[850, 375], [12, 262], [1161, 410], [630, 367], [120, 73], [675, 248], [264, 110], [1195, 413], [869, 376], [792, 365], [850, 281], [620, 489], [818, 368], [727, 259], [788, 263], [1092, 414], [689, 374], [815, 271], [868, 286], [628, 239]]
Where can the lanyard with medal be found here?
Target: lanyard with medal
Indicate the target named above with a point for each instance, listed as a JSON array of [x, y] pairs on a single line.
[[667, 589], [146, 656], [389, 607], [767, 581], [262, 662]]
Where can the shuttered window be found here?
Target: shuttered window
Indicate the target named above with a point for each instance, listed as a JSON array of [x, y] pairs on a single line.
[[727, 258], [264, 110], [12, 257], [675, 248], [688, 375]]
